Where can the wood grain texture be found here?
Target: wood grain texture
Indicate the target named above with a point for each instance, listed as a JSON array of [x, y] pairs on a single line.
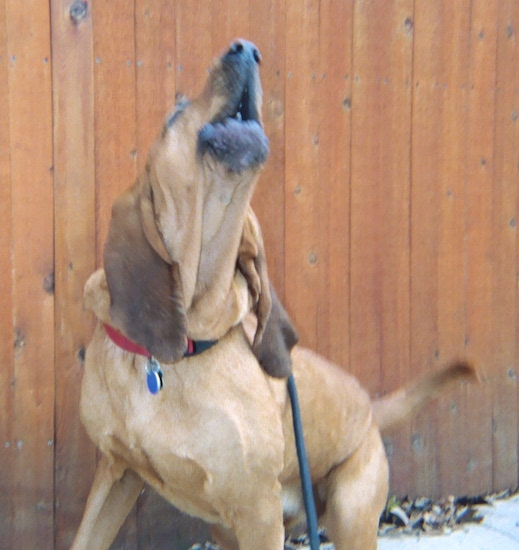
[[115, 107], [6, 302], [194, 46], [380, 205], [481, 226], [74, 256], [228, 22], [389, 208], [155, 70], [303, 258], [440, 81], [333, 184], [32, 197], [380, 180], [505, 176], [267, 31]]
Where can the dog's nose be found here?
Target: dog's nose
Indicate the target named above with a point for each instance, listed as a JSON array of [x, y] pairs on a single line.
[[244, 46]]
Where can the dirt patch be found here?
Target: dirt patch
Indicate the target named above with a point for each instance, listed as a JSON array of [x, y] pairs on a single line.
[[423, 515]]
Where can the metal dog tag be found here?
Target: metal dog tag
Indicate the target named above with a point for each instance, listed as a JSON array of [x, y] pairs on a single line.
[[154, 376]]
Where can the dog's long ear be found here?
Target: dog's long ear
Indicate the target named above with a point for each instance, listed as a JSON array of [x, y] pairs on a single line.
[[275, 335], [146, 291], [252, 263], [279, 337]]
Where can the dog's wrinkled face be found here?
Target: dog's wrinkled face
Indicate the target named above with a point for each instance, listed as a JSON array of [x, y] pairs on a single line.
[[224, 122], [211, 151], [174, 238]]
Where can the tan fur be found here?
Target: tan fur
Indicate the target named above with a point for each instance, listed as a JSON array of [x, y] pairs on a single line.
[[218, 443], [176, 235], [184, 257]]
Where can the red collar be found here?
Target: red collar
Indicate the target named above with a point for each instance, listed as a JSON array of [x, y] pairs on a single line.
[[119, 339]]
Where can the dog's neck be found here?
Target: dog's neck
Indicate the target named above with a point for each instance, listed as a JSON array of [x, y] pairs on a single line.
[[219, 287], [205, 244], [225, 206]]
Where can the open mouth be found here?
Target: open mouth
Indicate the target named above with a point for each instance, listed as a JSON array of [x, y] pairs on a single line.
[[235, 136], [246, 108], [238, 74], [243, 106]]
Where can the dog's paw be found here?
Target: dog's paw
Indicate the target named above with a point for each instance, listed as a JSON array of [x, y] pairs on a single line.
[[239, 145]]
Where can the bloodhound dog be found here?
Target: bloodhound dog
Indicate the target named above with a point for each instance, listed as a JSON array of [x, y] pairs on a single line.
[[185, 272]]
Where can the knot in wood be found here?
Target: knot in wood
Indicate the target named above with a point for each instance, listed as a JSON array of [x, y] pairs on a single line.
[[78, 11]]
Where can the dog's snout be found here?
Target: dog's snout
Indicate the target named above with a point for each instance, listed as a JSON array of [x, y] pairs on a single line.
[[240, 47]]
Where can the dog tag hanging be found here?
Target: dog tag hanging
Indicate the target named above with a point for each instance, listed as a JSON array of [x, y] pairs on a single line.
[[154, 377]]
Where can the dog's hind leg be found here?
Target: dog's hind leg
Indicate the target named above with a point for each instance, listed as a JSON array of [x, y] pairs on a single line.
[[356, 495], [113, 494]]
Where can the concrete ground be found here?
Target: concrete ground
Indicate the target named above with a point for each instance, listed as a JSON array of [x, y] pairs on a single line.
[[498, 531]]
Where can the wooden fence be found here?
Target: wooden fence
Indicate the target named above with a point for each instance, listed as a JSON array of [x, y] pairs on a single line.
[[389, 206]]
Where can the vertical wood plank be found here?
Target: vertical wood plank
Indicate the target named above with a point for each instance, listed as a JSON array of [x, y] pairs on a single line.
[[438, 225], [474, 469], [381, 121], [193, 46], [481, 227], [380, 209], [6, 302], [303, 259], [504, 249], [267, 31], [75, 255], [30, 123], [115, 107], [333, 206], [230, 20], [155, 61]]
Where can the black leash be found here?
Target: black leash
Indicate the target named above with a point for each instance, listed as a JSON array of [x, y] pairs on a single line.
[[304, 470]]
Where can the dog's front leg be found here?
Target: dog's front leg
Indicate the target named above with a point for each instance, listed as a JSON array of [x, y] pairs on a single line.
[[112, 496], [259, 524]]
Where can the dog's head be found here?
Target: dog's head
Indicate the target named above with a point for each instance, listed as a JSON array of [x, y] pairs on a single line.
[[234, 137], [217, 138], [177, 234]]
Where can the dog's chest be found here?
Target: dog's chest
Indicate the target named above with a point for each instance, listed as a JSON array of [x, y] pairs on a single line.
[[215, 414]]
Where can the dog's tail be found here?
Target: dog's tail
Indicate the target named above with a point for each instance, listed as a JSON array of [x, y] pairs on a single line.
[[392, 409]]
